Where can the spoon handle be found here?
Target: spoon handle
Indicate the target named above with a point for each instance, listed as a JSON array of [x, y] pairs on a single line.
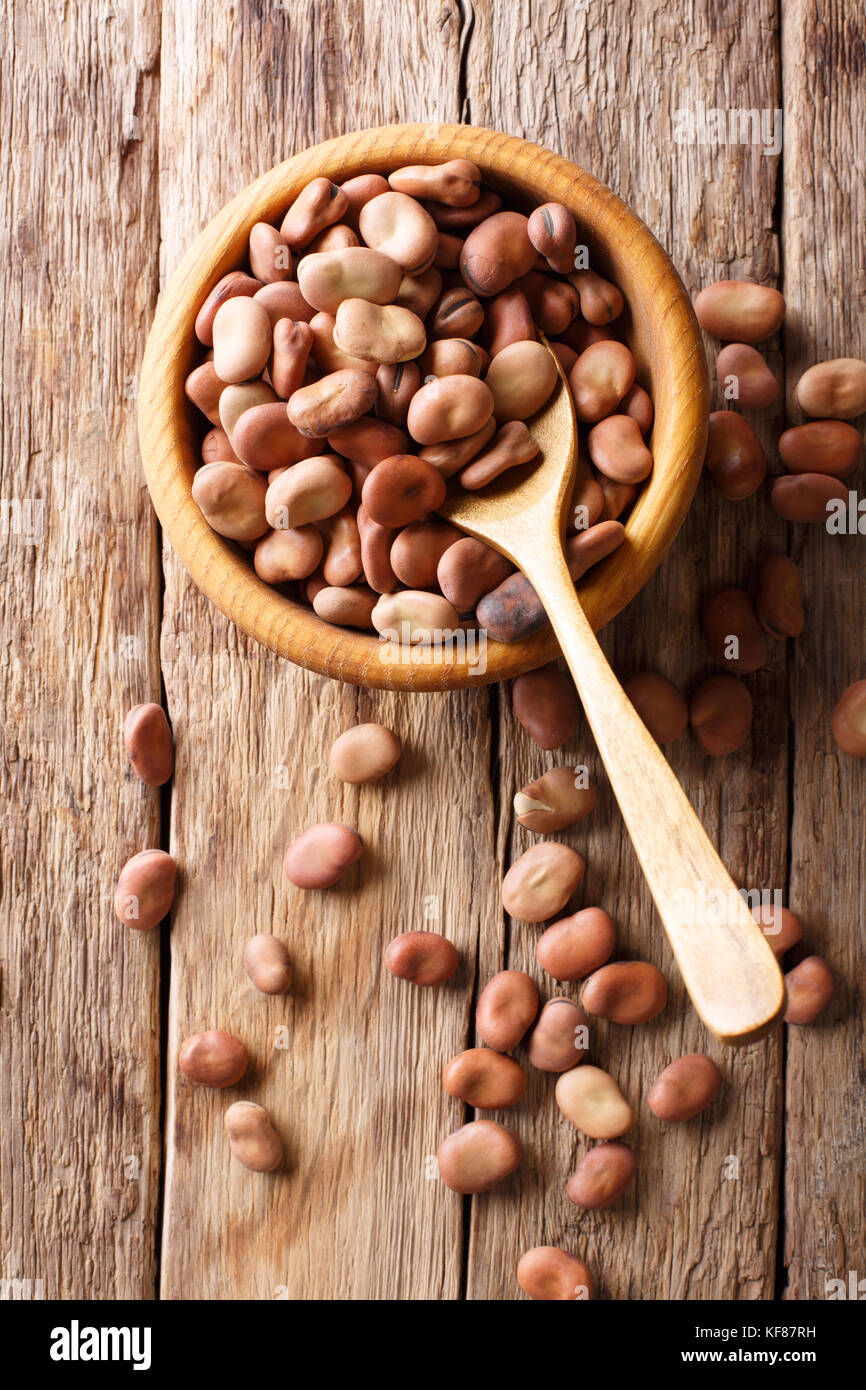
[[727, 965]]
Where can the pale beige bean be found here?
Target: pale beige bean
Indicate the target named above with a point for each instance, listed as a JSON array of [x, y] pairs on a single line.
[[560, 797], [264, 438], [270, 254], [396, 384], [378, 333], [231, 499], [416, 617], [744, 376], [450, 456], [311, 490], [512, 446], [659, 704], [319, 205], [506, 1009], [484, 1079], [474, 1158], [290, 356], [327, 355], [450, 408], [617, 449], [627, 992], [496, 253], [417, 550], [541, 881], [739, 311], [720, 713], [810, 986], [468, 570], [779, 597], [821, 446], [213, 1058], [320, 857], [293, 552], [599, 379], [253, 1140], [401, 228], [336, 400], [342, 563], [592, 1101], [364, 754], [600, 301], [849, 720], [560, 1037], [204, 388], [807, 497], [834, 389], [574, 947], [457, 182], [553, 233], [548, 1274], [732, 630], [545, 704], [457, 314], [422, 957], [268, 964], [236, 400], [521, 377], [148, 743], [327, 278], [346, 607], [359, 191], [685, 1088], [602, 1176], [242, 338], [283, 300], [236, 283], [419, 292], [145, 889], [452, 356]]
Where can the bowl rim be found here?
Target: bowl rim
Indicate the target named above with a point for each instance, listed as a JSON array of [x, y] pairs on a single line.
[[660, 312]]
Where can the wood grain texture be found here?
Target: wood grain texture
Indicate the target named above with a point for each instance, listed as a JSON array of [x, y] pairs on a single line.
[[79, 1088], [825, 280], [702, 1223]]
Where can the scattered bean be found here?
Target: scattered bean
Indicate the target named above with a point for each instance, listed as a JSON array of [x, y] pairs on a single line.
[[779, 599], [268, 964], [745, 376], [545, 704], [576, 946], [685, 1088], [602, 1176], [720, 713], [592, 1101], [213, 1058], [148, 743], [145, 889], [732, 630], [541, 881], [484, 1079], [562, 796], [422, 957], [506, 1009], [659, 704], [806, 496], [476, 1157], [253, 1140], [810, 986], [364, 754], [849, 720], [782, 928], [549, 1274], [734, 457], [834, 389], [739, 311], [558, 1040], [625, 992], [821, 446], [320, 857]]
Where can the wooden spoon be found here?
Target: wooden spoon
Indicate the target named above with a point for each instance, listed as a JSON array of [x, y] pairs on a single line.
[[727, 965]]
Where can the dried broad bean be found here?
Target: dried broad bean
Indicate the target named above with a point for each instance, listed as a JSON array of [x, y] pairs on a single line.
[[321, 855], [541, 881], [422, 957]]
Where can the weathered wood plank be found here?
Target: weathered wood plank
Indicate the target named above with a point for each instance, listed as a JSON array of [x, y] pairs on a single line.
[[825, 283], [357, 1090], [79, 1022], [602, 87]]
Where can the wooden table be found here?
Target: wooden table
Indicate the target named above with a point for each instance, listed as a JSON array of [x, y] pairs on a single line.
[[125, 129]]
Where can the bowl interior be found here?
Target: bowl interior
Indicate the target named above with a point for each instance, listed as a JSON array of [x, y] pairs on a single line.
[[658, 325]]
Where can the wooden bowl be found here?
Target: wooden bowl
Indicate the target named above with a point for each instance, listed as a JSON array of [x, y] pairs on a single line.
[[660, 328]]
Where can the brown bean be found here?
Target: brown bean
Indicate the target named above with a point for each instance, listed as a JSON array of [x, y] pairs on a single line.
[[461, 219], [317, 206], [450, 456], [327, 355], [806, 496], [579, 335], [270, 256], [401, 228], [545, 704], [309, 491], [739, 311], [734, 457], [508, 319], [720, 713], [782, 928], [468, 570], [396, 384], [321, 856], [368, 440], [264, 438], [450, 408], [376, 553], [417, 550], [283, 300], [821, 446], [253, 1140], [148, 743], [415, 616], [685, 1088], [617, 449], [745, 377], [732, 630], [567, 358], [342, 564], [550, 1275], [474, 1158], [360, 190], [336, 400], [600, 301], [552, 231], [849, 720], [378, 333], [779, 598], [203, 387], [213, 1058], [242, 338], [522, 378], [452, 356], [216, 448], [600, 378], [419, 292], [602, 1176], [638, 404], [364, 754], [457, 314], [512, 446], [457, 182], [287, 554], [506, 1009], [496, 253], [231, 498], [235, 284], [625, 992], [587, 501], [617, 497], [835, 389], [338, 237], [268, 964], [560, 1037], [592, 1101], [402, 489], [145, 889], [576, 946], [559, 797], [291, 350], [809, 986], [422, 957], [541, 881], [484, 1079], [659, 704], [346, 606]]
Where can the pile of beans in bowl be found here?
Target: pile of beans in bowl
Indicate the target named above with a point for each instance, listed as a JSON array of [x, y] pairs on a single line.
[[384, 340]]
